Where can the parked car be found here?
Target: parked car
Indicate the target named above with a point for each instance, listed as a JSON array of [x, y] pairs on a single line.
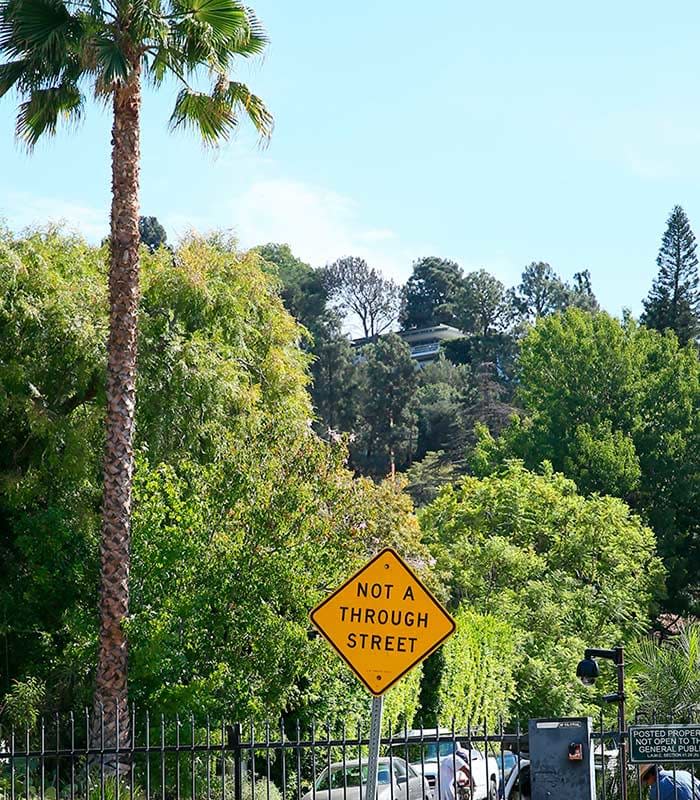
[[423, 757], [506, 760], [396, 779], [516, 783]]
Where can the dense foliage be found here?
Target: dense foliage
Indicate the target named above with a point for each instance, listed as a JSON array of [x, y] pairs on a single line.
[[152, 233], [615, 406], [667, 674], [243, 516], [528, 550], [530, 444], [477, 685]]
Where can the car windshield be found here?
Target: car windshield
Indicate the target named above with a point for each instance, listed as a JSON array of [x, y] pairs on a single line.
[[446, 749], [414, 752], [350, 777], [507, 759]]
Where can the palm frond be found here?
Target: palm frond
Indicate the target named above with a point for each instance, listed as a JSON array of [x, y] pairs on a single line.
[[40, 27], [41, 112], [112, 64], [223, 17], [11, 73], [51, 47], [214, 32], [668, 674], [256, 40], [239, 96], [216, 115], [208, 114], [161, 62]]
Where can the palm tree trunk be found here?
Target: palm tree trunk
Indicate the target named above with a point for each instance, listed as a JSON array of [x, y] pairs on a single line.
[[111, 698]]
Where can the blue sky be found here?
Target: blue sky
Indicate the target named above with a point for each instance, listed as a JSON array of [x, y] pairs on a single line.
[[491, 133]]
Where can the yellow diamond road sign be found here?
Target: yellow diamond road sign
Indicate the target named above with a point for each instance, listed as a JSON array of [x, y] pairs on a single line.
[[383, 621]]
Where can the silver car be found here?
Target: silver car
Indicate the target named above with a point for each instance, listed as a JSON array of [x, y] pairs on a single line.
[[397, 780]]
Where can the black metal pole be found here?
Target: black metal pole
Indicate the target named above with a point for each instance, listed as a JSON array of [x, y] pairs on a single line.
[[234, 744], [622, 721]]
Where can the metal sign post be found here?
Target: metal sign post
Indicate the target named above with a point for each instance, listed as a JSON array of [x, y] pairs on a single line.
[[375, 739]]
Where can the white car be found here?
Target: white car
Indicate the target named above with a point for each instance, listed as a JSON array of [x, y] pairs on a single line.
[[516, 785], [396, 780], [423, 756]]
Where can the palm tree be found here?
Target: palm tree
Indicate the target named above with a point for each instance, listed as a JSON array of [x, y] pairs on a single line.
[[53, 52], [668, 675]]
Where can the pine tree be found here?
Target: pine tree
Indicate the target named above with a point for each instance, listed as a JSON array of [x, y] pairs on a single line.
[[674, 300], [152, 233], [386, 432], [431, 294]]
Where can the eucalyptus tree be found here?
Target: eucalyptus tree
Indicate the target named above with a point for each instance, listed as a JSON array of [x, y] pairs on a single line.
[[54, 53]]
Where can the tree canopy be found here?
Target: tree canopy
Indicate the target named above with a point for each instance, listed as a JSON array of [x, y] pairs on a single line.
[[529, 446], [614, 406], [219, 539], [540, 292], [152, 233], [363, 291], [560, 570], [431, 292]]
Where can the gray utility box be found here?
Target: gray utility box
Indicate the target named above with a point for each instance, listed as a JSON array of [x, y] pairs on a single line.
[[561, 759]]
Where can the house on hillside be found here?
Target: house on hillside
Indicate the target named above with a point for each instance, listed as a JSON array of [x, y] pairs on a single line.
[[424, 342]]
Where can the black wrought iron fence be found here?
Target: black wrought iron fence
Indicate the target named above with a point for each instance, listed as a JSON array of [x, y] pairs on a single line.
[[192, 758]]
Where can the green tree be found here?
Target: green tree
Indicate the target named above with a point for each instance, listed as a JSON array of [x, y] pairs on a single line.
[[431, 293], [489, 408], [365, 292], [242, 556], [581, 294], [243, 517], [52, 332], [444, 391], [425, 478], [484, 306], [614, 406], [541, 292], [152, 233], [304, 290], [674, 300], [497, 349], [333, 370], [335, 376], [562, 570], [386, 436], [477, 683], [53, 50]]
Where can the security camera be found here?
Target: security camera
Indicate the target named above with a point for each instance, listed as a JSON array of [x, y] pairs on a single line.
[[587, 671]]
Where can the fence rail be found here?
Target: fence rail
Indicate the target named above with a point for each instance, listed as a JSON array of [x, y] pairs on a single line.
[[190, 758]]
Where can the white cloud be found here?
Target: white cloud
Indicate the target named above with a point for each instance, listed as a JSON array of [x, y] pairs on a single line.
[[23, 210], [319, 224]]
